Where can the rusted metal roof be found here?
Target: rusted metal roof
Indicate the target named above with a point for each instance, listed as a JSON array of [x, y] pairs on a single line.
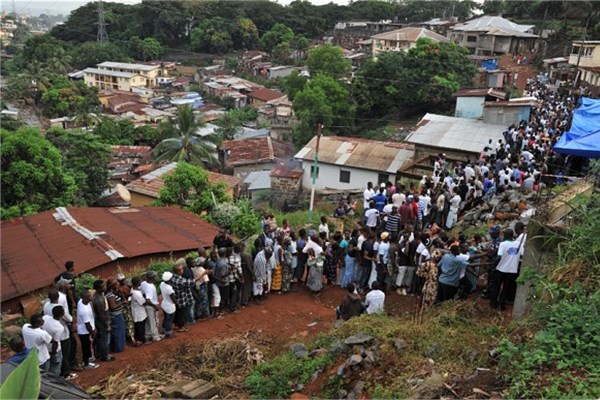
[[359, 153], [282, 171], [151, 183], [266, 94], [35, 248], [254, 150]]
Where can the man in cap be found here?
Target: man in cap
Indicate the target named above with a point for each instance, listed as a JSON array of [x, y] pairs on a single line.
[[148, 288], [168, 304], [383, 258]]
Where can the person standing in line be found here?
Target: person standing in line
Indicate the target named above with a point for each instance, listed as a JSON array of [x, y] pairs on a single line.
[[148, 289], [247, 274], [102, 322], [86, 328], [138, 311], [183, 293], [383, 258], [168, 304], [368, 195], [116, 314], [17, 345], [368, 257], [221, 275], [59, 333], [36, 337], [451, 267], [507, 268], [262, 263]]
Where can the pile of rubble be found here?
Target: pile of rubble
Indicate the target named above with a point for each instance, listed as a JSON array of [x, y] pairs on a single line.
[[503, 209], [356, 354]]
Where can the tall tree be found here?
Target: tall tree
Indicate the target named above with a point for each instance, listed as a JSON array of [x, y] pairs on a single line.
[[187, 146], [245, 35], [293, 83], [323, 100], [427, 74], [34, 178], [229, 125], [279, 33], [85, 157], [328, 60]]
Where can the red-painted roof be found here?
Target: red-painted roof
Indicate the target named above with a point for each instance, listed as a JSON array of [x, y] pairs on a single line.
[[255, 150], [35, 248]]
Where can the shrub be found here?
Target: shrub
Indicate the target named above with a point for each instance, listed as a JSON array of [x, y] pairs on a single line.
[[85, 281], [224, 215], [276, 378]]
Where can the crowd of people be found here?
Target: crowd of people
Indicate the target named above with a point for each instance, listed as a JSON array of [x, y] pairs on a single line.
[[404, 243]]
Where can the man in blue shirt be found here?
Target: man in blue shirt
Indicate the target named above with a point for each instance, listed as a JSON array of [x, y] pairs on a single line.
[[17, 345], [451, 268], [380, 200]]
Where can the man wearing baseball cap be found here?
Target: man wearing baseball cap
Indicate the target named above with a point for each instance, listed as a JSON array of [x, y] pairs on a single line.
[[168, 304]]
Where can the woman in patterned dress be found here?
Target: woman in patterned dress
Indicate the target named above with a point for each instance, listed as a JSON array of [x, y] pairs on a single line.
[[428, 270]]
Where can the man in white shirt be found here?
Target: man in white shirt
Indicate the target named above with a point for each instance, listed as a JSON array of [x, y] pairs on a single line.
[[86, 328], [367, 195], [138, 311], [168, 304], [149, 290], [54, 299], [372, 217], [383, 257], [375, 299], [59, 333], [507, 268], [35, 337]]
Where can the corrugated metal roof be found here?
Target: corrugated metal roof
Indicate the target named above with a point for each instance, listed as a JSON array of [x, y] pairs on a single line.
[[151, 183], [410, 35], [258, 180], [254, 150], [452, 133], [266, 94], [128, 66], [486, 22], [35, 248], [359, 153], [107, 72]]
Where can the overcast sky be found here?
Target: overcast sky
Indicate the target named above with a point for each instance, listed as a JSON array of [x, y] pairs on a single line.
[[54, 7]]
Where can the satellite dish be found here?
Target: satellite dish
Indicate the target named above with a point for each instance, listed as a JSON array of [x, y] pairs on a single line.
[[123, 193]]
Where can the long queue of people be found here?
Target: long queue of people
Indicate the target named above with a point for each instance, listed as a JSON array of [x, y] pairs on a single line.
[[403, 243]]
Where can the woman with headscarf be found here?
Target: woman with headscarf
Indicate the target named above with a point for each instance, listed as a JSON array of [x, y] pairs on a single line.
[[315, 271]]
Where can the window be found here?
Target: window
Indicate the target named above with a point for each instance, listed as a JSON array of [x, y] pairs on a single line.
[[471, 39], [344, 176], [312, 171], [383, 178]]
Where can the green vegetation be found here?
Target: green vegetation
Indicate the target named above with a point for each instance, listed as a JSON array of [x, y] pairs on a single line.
[[34, 177], [276, 378], [239, 219], [190, 188], [561, 357], [24, 381], [427, 74], [184, 145]]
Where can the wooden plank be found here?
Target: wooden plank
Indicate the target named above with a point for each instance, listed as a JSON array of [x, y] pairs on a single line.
[[205, 391]]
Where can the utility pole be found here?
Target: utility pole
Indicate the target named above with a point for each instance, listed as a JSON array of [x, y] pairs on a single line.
[[102, 36], [314, 173]]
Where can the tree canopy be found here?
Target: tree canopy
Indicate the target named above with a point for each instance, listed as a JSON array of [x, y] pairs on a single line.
[[325, 101], [34, 177], [186, 146], [328, 60], [85, 157], [189, 187], [427, 74]]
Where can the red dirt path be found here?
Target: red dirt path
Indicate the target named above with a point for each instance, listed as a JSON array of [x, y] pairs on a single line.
[[281, 320]]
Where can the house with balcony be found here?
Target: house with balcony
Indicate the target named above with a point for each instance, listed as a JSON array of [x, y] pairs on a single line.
[[585, 55], [492, 35], [122, 76], [402, 39]]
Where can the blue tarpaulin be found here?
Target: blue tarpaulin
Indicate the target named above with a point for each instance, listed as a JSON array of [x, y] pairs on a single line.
[[583, 139]]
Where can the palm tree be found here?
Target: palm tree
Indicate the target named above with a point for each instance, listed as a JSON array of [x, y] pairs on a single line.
[[187, 146]]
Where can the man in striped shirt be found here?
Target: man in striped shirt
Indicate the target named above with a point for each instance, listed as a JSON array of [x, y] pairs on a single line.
[[392, 225]]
